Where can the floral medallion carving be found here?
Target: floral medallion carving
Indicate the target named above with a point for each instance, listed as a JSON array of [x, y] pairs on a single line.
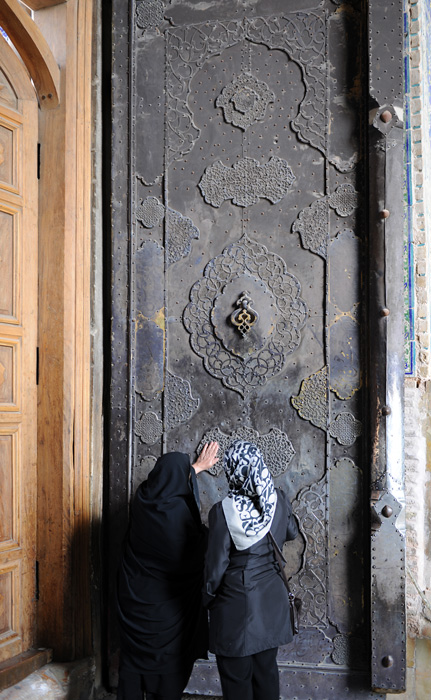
[[180, 231], [312, 400], [312, 223], [150, 212], [180, 405], [150, 13], [246, 181], [345, 428], [268, 348], [149, 428], [276, 448], [301, 35], [310, 582], [244, 100]]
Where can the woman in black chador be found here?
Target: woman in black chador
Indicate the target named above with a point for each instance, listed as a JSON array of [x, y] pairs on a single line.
[[246, 596], [163, 624]]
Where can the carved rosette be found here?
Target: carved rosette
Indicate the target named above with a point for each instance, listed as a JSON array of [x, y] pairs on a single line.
[[246, 181], [312, 223], [344, 200], [149, 428], [310, 582], [312, 400], [180, 405], [285, 314], [345, 428], [150, 212], [244, 100], [275, 446]]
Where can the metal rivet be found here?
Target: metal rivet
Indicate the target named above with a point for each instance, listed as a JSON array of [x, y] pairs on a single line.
[[385, 312], [43, 97], [386, 410], [386, 116], [387, 511], [387, 661], [385, 213]]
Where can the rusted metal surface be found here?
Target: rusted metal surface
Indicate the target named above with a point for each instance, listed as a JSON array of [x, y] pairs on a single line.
[[246, 190]]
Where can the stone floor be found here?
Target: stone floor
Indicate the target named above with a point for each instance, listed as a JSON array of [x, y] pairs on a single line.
[[65, 681]]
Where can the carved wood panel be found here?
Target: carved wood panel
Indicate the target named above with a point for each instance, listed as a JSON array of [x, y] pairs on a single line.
[[18, 319], [257, 181]]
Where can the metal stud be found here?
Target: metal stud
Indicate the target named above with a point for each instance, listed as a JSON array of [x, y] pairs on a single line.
[[385, 213], [388, 661], [386, 116], [387, 511], [386, 410], [384, 312]]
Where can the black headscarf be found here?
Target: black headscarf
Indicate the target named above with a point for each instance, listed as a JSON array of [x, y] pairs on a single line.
[[162, 621]]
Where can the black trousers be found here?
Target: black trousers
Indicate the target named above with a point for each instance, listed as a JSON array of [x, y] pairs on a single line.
[[250, 677], [137, 686]]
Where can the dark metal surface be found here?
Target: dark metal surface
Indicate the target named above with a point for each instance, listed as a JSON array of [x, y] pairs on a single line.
[[388, 631], [239, 185]]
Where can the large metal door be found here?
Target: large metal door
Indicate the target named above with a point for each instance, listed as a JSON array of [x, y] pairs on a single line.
[[240, 255]]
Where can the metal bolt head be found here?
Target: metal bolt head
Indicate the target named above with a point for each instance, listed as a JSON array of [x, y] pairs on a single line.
[[385, 312], [385, 213], [386, 116], [387, 511], [388, 661], [386, 410]]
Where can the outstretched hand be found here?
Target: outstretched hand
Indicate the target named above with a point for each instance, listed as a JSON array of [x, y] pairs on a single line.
[[207, 458]]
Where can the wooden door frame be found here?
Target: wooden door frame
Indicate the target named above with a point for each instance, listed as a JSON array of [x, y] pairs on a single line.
[[58, 50]]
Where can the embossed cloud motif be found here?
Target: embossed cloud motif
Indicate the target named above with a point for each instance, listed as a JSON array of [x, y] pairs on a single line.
[[267, 353], [244, 100], [276, 448], [180, 230], [246, 181], [149, 13]]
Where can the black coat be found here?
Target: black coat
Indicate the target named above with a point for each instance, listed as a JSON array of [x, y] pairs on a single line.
[[163, 624], [244, 591]]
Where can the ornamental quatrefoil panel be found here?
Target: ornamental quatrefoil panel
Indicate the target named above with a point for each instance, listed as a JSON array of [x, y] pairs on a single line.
[[244, 363]]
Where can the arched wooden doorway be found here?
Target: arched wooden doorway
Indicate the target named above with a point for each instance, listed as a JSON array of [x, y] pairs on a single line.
[[18, 343]]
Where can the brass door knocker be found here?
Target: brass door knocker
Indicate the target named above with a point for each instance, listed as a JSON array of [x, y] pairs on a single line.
[[245, 317]]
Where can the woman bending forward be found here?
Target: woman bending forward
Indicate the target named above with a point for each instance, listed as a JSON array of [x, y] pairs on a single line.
[[243, 589], [163, 623]]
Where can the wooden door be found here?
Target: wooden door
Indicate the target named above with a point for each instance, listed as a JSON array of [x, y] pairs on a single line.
[[18, 338]]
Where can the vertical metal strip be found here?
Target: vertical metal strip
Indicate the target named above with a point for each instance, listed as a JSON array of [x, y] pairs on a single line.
[[119, 428], [386, 363]]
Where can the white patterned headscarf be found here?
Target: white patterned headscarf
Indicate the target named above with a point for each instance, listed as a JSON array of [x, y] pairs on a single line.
[[250, 504]]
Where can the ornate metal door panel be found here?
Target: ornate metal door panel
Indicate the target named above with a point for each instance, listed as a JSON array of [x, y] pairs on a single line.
[[239, 249]]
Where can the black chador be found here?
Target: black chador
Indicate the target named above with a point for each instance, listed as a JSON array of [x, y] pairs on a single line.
[[163, 624]]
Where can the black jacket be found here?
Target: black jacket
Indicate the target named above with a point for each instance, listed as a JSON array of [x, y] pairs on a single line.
[[244, 591]]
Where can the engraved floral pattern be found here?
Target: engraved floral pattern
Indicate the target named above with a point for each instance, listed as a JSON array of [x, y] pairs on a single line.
[[180, 233], [310, 582], [246, 181], [345, 428], [312, 224], [312, 400], [244, 100], [149, 428], [150, 212], [344, 200], [149, 13], [275, 446], [237, 373], [180, 405]]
